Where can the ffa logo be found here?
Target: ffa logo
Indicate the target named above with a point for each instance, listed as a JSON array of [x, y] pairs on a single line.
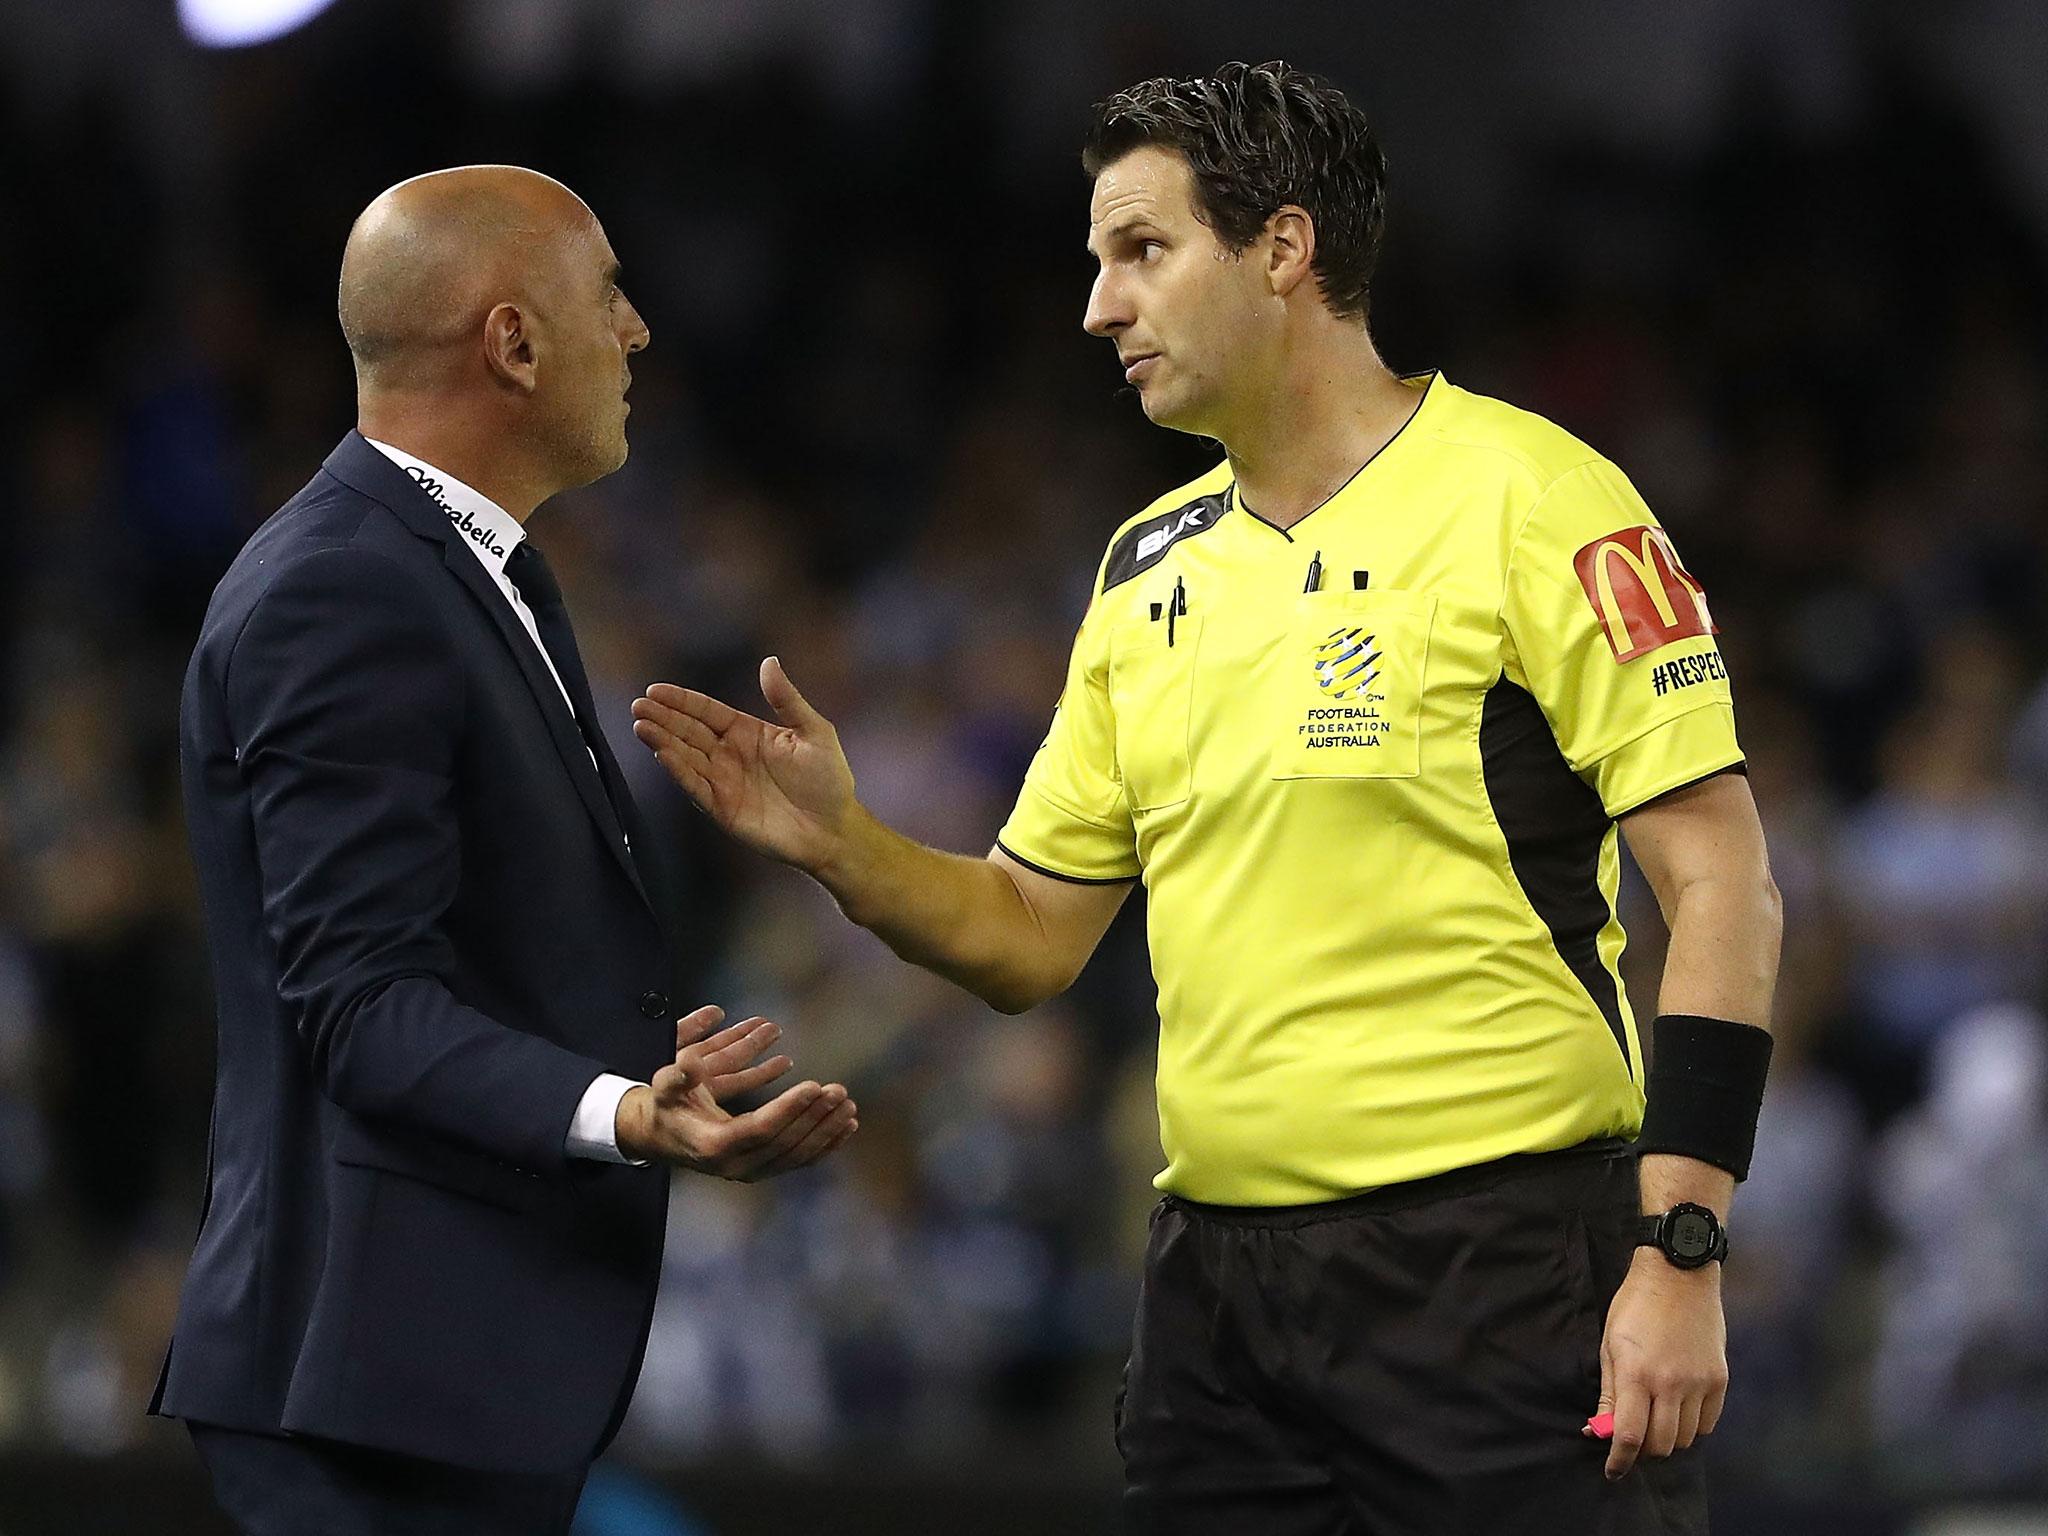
[[1347, 663], [1641, 592]]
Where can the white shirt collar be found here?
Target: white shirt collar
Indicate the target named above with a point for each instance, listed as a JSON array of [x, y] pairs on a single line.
[[488, 529]]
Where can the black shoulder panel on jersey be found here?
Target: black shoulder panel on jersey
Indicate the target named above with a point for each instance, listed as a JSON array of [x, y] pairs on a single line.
[[1145, 544]]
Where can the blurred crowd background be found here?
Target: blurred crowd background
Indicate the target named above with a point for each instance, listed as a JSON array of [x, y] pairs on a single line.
[[1783, 260]]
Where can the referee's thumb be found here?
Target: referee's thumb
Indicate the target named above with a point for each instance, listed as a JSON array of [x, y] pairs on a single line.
[[790, 706]]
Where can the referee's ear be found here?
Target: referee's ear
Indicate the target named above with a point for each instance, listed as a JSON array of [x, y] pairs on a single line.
[[1290, 249]]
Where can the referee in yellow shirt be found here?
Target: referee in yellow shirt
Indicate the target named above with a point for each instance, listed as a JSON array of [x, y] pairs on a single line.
[[1363, 707]]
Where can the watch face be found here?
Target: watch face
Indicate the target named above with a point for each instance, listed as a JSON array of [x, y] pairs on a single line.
[[1692, 1235]]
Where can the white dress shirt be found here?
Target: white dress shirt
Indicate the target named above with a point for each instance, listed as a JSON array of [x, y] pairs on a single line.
[[491, 534]]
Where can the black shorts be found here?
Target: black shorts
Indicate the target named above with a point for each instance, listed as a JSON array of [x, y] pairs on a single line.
[[1415, 1361]]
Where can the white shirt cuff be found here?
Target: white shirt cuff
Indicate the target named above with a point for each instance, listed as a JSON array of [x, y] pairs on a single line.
[[594, 1128]]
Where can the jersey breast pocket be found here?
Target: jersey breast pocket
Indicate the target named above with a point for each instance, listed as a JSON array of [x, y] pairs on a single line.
[[1350, 693], [1151, 694]]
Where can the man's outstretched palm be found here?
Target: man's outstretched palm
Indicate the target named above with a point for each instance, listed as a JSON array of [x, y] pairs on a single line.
[[680, 1116], [783, 789]]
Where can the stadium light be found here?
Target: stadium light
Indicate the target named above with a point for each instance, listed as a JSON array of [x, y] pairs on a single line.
[[239, 23]]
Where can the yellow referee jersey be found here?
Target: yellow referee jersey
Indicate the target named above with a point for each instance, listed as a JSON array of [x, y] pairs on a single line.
[[1368, 769]]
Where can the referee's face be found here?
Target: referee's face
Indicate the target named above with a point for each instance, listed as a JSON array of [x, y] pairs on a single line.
[[1187, 314]]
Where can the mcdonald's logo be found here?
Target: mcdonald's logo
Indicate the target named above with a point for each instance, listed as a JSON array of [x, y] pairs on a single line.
[[1641, 592]]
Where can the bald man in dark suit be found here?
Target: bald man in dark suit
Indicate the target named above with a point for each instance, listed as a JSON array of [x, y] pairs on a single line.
[[451, 1086]]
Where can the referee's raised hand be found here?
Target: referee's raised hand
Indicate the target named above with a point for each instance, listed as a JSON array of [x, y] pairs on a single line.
[[784, 789]]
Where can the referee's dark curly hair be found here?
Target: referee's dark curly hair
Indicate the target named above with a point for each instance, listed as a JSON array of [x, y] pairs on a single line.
[[1259, 137]]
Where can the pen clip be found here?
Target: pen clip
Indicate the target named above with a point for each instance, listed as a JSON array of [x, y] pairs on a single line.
[[1175, 606], [1315, 573]]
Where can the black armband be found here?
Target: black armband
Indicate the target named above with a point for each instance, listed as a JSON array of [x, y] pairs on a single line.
[[1705, 1089]]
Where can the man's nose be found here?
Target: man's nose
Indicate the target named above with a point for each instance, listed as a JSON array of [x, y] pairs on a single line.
[[1107, 312], [637, 335]]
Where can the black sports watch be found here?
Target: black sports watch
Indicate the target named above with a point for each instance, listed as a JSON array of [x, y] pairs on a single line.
[[1688, 1235]]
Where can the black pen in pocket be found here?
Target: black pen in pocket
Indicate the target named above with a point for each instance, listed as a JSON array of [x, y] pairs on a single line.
[[1176, 605], [1315, 573]]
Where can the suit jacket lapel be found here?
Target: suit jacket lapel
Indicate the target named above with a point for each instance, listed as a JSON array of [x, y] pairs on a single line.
[[562, 729], [361, 467]]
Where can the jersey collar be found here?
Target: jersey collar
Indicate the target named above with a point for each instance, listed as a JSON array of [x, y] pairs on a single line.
[[1435, 386]]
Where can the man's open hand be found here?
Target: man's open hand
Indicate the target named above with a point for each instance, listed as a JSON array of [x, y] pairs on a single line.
[[783, 789], [679, 1119]]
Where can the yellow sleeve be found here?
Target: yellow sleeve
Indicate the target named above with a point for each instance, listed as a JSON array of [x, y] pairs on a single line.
[[1071, 819], [1613, 636]]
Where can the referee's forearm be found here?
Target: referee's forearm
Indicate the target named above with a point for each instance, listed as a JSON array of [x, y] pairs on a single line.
[[959, 917], [1722, 962]]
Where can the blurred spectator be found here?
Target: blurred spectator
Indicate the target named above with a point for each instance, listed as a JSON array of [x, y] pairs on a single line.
[[1943, 874], [1959, 1390], [90, 861]]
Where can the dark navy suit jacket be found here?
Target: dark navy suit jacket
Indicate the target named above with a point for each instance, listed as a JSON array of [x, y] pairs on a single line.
[[428, 936]]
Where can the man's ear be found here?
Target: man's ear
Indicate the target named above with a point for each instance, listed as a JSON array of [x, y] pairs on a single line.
[[1290, 249], [509, 348]]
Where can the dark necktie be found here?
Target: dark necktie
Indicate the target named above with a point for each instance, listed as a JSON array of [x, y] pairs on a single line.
[[528, 571]]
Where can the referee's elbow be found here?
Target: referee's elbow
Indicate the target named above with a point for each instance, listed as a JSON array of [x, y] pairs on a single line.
[[1016, 991]]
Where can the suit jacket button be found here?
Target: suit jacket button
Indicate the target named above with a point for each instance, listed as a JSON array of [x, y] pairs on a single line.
[[654, 1004]]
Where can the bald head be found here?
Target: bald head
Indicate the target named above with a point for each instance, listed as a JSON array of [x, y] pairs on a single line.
[[490, 335], [430, 258]]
